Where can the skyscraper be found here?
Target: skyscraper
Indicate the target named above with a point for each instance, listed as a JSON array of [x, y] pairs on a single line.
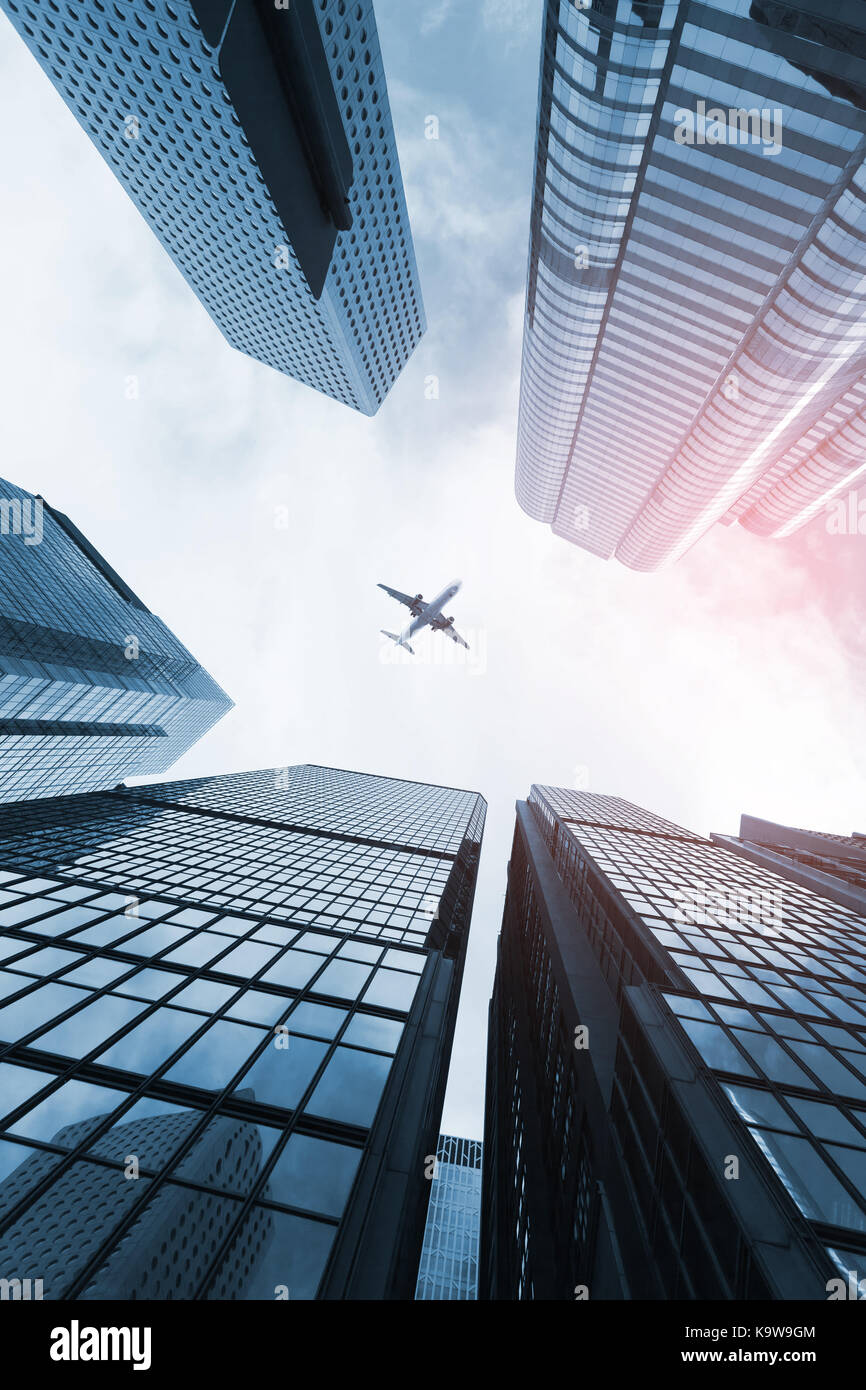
[[694, 336], [676, 1097], [93, 686], [449, 1258], [257, 142], [227, 1013], [834, 865]]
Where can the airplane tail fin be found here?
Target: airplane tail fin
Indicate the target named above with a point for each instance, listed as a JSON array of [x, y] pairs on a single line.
[[398, 640]]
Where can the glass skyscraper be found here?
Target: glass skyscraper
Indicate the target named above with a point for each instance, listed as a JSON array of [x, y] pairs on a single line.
[[676, 1100], [226, 1019], [257, 142], [694, 345], [93, 686], [449, 1258]]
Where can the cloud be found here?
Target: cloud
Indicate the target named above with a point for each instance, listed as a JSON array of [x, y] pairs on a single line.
[[435, 16], [516, 17]]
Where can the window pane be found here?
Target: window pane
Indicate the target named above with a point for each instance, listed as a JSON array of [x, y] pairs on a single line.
[[43, 1004], [147, 1045], [229, 1155], [343, 978], [208, 995], [759, 1107], [70, 1113], [771, 1056], [149, 984], [281, 1075], [151, 1129], [293, 970], [314, 1174], [258, 1007], [247, 959], [391, 989], [90, 1026], [96, 972], [46, 960], [853, 1165], [274, 1251], [716, 1047], [826, 1122], [351, 1087], [212, 1061], [367, 1031], [18, 1084], [818, 1194], [155, 939], [320, 1020], [21, 1168]]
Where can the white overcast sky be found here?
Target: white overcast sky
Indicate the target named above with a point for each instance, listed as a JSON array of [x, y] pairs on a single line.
[[732, 682]]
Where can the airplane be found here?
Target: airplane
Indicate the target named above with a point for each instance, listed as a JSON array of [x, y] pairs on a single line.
[[424, 615]]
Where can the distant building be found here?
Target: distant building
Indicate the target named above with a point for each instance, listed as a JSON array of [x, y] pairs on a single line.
[[693, 348], [449, 1259], [834, 865], [271, 961], [93, 687], [676, 1087], [257, 142]]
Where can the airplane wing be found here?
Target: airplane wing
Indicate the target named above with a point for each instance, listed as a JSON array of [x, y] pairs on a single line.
[[412, 601], [455, 636]]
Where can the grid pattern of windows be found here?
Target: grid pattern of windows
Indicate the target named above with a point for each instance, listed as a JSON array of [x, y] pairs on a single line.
[[375, 808], [539, 1178], [693, 347], [187, 1090], [149, 91], [767, 980], [254, 865], [93, 687], [449, 1258], [842, 857]]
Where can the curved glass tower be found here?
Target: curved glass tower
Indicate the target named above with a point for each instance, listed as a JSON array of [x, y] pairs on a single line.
[[695, 338]]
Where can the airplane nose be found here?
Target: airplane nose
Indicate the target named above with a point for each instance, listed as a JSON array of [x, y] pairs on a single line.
[[456, 585]]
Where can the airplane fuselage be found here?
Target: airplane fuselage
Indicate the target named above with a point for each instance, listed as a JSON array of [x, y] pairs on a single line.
[[430, 611]]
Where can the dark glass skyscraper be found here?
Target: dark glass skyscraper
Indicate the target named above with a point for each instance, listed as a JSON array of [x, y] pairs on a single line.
[[226, 1019], [676, 1100], [256, 139], [93, 686], [694, 344], [449, 1258]]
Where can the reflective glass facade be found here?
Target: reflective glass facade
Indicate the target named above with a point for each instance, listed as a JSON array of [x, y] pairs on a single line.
[[449, 1259], [93, 686], [676, 1101], [153, 85], [694, 343], [225, 1023]]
